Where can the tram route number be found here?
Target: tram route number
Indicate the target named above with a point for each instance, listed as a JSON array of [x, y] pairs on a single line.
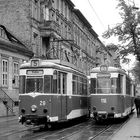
[[103, 100], [42, 103]]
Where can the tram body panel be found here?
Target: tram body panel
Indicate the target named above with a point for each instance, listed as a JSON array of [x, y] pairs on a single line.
[[107, 104], [48, 102], [77, 107]]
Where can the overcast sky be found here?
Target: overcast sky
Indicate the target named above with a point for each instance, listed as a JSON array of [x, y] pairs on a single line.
[[101, 14]]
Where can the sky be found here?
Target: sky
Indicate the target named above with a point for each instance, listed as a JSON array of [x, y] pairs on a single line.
[[102, 14]]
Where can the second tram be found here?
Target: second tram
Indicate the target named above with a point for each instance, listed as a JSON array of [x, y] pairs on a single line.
[[111, 93], [51, 92]]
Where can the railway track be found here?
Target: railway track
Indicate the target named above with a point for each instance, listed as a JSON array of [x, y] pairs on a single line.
[[87, 130]]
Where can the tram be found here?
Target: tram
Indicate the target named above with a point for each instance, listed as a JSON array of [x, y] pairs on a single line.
[[51, 92], [111, 93]]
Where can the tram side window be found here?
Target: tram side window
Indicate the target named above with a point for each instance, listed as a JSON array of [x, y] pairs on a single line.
[[120, 84], [93, 86], [22, 84], [74, 84], [64, 83], [128, 86], [113, 85], [79, 85], [59, 83], [47, 84], [84, 87], [54, 82]]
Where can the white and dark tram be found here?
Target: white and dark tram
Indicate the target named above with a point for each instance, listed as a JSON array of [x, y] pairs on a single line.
[[51, 92], [111, 93]]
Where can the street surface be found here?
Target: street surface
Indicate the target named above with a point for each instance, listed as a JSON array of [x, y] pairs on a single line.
[[74, 130]]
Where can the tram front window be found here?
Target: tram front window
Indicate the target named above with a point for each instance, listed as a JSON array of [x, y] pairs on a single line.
[[103, 85], [34, 85]]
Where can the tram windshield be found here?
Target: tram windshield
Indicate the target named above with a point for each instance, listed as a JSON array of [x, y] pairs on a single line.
[[103, 85], [106, 85], [34, 85]]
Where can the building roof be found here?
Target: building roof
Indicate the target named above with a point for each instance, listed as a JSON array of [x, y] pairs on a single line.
[[14, 44], [85, 21]]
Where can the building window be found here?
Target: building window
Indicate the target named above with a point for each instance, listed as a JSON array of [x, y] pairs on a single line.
[[4, 72], [15, 74], [35, 9], [45, 12]]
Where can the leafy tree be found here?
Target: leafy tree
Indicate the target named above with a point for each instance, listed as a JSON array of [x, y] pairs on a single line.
[[136, 72], [128, 32]]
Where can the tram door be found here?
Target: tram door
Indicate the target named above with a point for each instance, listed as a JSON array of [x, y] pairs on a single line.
[[62, 86]]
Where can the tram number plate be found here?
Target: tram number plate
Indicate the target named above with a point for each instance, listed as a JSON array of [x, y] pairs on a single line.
[[103, 100], [42, 103]]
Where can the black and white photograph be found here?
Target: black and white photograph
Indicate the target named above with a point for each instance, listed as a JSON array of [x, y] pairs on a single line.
[[69, 69]]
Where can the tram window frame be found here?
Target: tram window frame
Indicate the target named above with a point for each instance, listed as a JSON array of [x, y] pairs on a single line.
[[120, 84], [79, 85], [22, 79], [54, 82], [59, 83], [114, 84], [93, 85], [128, 86], [62, 82], [84, 87], [36, 85], [48, 85], [74, 84]]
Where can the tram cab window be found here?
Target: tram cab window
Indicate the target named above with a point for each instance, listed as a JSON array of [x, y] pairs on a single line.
[[47, 84], [22, 84], [103, 85], [93, 85], [34, 84]]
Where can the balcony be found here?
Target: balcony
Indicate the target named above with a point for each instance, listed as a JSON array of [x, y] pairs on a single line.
[[49, 26]]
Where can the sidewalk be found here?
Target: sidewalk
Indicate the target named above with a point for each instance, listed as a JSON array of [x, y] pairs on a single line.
[[130, 131]]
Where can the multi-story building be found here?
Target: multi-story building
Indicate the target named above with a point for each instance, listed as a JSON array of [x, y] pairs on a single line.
[[53, 29], [12, 53]]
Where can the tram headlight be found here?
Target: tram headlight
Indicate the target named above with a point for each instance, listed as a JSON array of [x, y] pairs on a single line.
[[33, 108], [94, 108], [112, 108], [45, 110], [23, 110]]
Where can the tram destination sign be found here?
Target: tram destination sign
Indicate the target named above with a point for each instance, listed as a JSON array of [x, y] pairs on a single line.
[[34, 72], [103, 75]]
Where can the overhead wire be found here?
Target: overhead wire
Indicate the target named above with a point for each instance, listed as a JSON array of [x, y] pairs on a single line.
[[96, 14]]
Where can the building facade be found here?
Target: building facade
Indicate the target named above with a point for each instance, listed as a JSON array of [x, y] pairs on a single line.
[[53, 29], [12, 54]]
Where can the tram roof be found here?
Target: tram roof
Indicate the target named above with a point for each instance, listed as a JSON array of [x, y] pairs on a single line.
[[109, 69], [56, 64]]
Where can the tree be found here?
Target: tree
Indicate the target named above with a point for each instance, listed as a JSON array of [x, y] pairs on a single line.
[[128, 32], [136, 72]]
